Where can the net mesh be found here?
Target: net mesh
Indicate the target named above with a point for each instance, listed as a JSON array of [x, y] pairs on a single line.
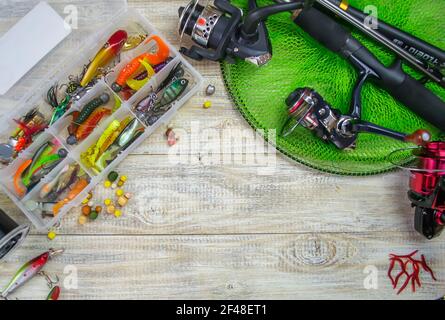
[[299, 61]]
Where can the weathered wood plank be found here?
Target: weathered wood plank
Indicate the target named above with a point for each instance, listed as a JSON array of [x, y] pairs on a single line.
[[306, 266], [212, 199]]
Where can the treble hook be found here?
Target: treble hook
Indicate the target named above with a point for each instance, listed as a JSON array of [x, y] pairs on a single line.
[[51, 282]]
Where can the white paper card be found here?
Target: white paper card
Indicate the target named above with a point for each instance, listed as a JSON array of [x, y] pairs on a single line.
[[28, 41]]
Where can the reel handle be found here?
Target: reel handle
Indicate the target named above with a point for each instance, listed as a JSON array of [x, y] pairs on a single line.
[[400, 85]]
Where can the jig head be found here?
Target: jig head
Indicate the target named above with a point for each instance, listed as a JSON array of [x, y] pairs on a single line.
[[109, 51], [29, 270]]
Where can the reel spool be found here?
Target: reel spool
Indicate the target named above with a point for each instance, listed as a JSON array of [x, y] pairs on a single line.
[[11, 234], [427, 185]]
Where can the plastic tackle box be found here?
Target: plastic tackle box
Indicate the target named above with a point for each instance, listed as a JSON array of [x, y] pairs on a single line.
[[30, 201]]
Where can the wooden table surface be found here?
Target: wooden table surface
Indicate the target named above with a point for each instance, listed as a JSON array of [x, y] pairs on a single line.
[[203, 230]]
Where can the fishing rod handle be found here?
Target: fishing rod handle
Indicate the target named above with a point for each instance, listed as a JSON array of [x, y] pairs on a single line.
[[400, 85]]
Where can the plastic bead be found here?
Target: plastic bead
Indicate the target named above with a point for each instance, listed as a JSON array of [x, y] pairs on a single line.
[[86, 210], [119, 192], [117, 213], [114, 186], [111, 209], [107, 184], [122, 201], [98, 209], [112, 176], [120, 183], [207, 105], [123, 178], [91, 204], [85, 201], [82, 220], [94, 215], [51, 235], [108, 202], [128, 196]]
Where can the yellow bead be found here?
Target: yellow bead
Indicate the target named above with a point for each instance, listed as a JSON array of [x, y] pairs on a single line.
[[123, 178], [51, 235], [107, 184], [83, 219], [120, 183], [85, 201], [207, 105], [108, 202], [119, 192], [117, 213]]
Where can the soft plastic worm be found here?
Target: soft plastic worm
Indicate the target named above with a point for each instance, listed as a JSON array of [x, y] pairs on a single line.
[[88, 125], [91, 106]]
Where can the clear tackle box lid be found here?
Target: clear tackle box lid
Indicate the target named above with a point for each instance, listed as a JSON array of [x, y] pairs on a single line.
[[85, 17]]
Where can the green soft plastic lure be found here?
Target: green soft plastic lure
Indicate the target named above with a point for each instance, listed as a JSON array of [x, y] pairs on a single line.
[[28, 271]]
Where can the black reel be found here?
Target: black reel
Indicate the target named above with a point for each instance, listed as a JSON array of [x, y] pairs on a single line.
[[221, 33], [11, 234]]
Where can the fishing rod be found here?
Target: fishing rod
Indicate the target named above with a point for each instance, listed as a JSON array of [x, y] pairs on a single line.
[[421, 55], [221, 33]]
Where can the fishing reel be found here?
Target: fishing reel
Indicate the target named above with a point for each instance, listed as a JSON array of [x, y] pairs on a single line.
[[221, 33], [427, 189], [11, 234], [308, 109]]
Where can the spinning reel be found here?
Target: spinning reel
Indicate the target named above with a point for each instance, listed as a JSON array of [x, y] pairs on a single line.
[[427, 188], [11, 234], [221, 34]]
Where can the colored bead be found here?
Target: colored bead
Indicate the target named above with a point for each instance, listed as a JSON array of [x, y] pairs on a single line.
[[90, 195], [114, 186], [128, 196], [122, 201], [51, 235], [82, 220], [98, 209], [91, 204], [85, 201], [120, 183], [119, 192], [118, 213], [86, 210], [111, 209], [94, 215], [207, 105], [112, 176], [107, 184], [123, 178], [108, 202]]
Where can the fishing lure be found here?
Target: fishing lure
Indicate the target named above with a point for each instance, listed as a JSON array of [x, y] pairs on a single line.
[[60, 183], [80, 120], [161, 55], [54, 294], [60, 110], [138, 84], [172, 92], [125, 138], [77, 188], [109, 51], [133, 41], [89, 157], [93, 120], [29, 270]]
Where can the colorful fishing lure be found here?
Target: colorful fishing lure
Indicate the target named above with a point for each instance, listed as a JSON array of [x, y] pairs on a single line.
[[109, 51], [29, 270]]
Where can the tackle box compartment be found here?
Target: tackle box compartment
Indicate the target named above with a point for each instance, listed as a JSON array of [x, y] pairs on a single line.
[[122, 109]]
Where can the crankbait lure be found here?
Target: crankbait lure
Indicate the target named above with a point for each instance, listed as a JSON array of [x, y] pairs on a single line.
[[172, 93], [109, 51], [29, 270]]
